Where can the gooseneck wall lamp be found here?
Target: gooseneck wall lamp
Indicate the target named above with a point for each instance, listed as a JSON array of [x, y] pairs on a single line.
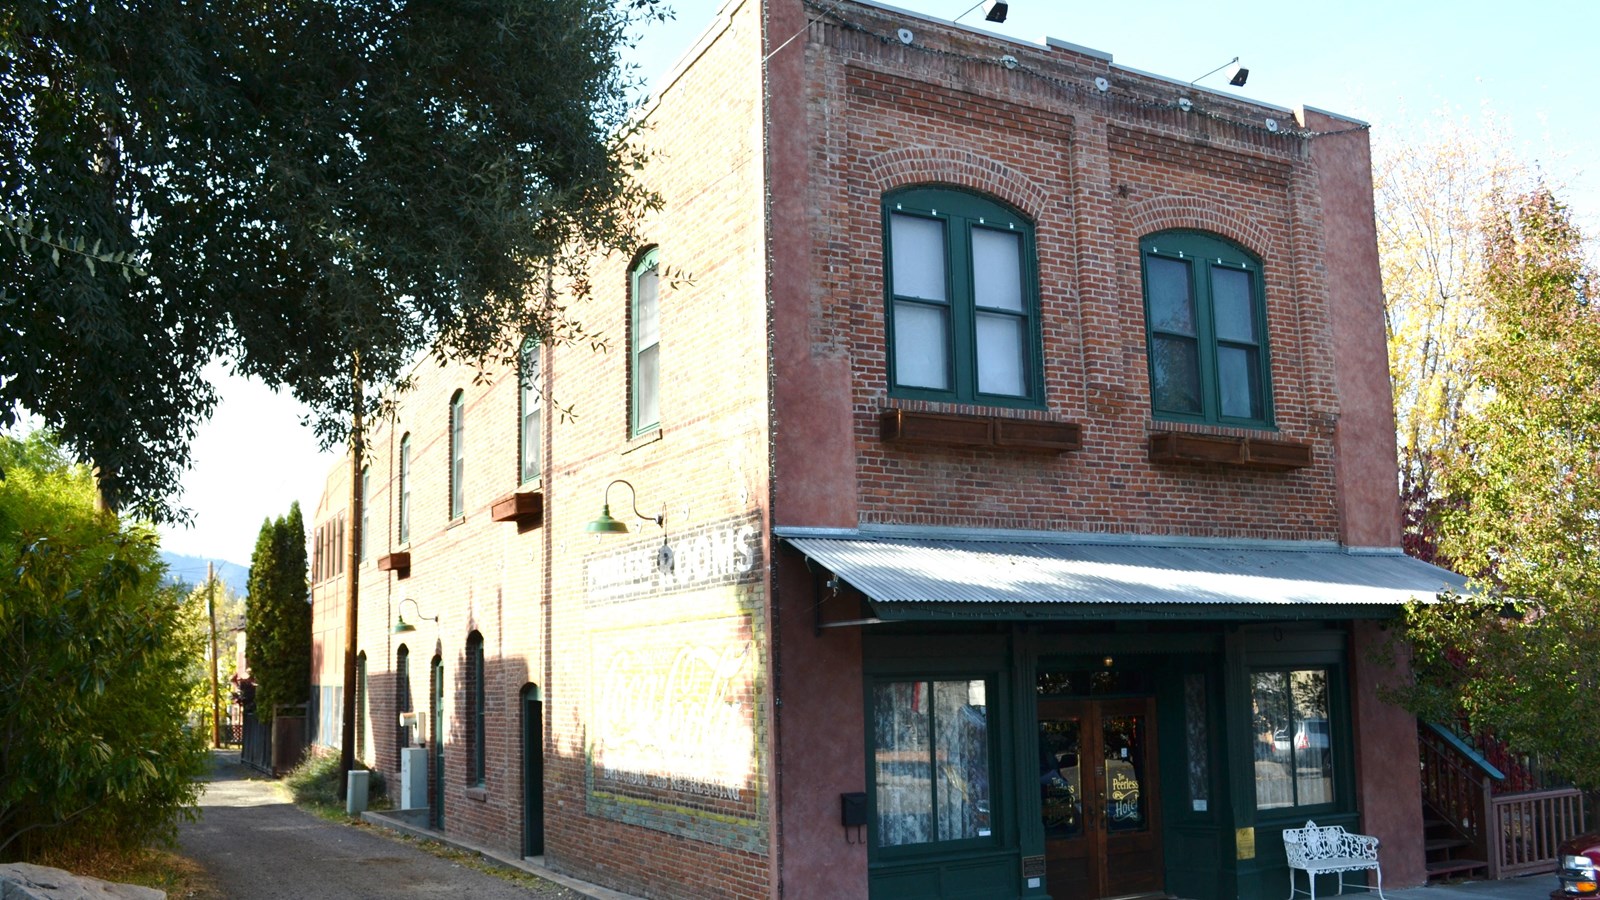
[[606, 524], [401, 626]]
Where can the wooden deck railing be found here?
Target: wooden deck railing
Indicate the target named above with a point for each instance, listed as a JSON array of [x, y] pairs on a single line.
[[1458, 789], [1531, 826]]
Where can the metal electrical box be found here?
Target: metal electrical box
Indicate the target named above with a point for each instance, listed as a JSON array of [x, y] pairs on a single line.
[[413, 777]]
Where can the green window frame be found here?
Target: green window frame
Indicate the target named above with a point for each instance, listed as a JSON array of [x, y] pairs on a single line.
[[644, 342], [1297, 729], [933, 763], [404, 734], [1206, 331], [476, 767], [530, 409], [961, 283], [458, 454], [403, 520]]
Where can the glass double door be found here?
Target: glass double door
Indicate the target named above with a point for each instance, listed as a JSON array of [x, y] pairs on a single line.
[[1099, 798]]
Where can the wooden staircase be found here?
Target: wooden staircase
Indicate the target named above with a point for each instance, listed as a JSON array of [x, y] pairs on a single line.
[[1473, 827]]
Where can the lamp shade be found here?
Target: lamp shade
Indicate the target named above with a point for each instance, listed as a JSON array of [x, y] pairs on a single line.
[[401, 626], [606, 524]]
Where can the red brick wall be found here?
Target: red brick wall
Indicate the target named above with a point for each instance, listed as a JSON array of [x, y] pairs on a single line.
[[679, 807], [773, 374], [1094, 173]]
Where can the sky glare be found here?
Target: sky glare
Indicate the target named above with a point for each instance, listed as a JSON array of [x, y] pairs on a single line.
[[1407, 68]]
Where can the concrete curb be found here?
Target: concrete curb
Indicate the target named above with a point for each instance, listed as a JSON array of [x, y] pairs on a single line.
[[396, 820]]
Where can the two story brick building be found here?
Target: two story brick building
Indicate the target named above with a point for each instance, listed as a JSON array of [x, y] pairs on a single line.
[[997, 466]]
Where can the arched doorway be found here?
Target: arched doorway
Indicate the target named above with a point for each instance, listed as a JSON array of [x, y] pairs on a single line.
[[532, 771]]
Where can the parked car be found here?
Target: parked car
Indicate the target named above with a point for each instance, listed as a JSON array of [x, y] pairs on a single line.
[[1577, 873], [1313, 735]]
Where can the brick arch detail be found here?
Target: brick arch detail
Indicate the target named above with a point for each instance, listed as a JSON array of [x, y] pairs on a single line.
[[1196, 214], [911, 166]]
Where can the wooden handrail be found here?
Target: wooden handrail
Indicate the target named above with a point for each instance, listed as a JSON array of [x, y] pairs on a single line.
[[1515, 833], [1532, 826]]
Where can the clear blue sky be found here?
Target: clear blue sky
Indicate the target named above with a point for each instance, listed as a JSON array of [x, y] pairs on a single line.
[[1399, 65]]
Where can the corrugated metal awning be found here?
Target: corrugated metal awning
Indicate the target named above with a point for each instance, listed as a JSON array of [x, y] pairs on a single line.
[[949, 577]]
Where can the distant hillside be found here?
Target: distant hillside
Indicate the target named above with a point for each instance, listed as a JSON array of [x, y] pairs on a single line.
[[192, 570]]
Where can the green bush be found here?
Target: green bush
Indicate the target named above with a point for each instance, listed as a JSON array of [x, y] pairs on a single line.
[[315, 783], [98, 680]]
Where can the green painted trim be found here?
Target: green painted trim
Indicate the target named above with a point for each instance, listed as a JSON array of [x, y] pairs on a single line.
[[403, 516], [961, 212], [1188, 247], [1000, 837], [648, 261], [458, 454], [1466, 749], [528, 351], [477, 768]]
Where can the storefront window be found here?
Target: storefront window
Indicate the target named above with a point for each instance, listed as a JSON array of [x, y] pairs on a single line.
[[931, 761], [1293, 738]]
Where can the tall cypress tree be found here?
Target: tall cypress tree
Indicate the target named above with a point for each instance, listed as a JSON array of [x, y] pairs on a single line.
[[279, 616]]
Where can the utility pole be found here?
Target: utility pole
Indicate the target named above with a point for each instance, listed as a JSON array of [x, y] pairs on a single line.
[[211, 608], [352, 597]]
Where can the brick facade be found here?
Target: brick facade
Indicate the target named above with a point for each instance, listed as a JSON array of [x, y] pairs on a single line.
[[697, 730]]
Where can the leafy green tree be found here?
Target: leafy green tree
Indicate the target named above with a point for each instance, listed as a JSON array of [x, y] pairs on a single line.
[[98, 680], [292, 187], [1527, 478], [278, 632]]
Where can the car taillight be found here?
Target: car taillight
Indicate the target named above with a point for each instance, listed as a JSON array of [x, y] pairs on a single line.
[[1302, 742]]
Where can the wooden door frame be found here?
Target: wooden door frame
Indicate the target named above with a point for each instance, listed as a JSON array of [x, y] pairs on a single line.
[[1090, 712]]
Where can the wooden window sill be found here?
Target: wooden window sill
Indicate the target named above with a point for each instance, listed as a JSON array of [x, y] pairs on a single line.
[[1242, 452], [901, 426]]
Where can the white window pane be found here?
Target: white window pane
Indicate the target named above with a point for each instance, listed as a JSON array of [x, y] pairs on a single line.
[[1175, 371], [1239, 382], [649, 375], [1312, 743], [1001, 369], [1230, 295], [961, 748], [532, 403], [647, 330], [1274, 763], [921, 342], [1171, 301], [997, 269], [530, 443], [903, 770], [918, 267]]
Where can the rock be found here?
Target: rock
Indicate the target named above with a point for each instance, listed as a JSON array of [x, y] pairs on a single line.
[[25, 881]]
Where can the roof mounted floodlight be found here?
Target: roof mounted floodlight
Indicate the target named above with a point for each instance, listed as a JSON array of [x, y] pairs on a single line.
[[993, 10], [1237, 74]]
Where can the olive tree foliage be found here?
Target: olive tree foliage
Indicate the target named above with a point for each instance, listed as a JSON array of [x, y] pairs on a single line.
[[1524, 486], [1431, 198], [314, 192], [278, 618], [98, 680]]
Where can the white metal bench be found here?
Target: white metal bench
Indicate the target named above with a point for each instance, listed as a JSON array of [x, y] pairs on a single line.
[[1317, 850]]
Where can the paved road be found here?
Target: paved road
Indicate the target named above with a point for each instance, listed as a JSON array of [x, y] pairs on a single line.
[[256, 845]]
